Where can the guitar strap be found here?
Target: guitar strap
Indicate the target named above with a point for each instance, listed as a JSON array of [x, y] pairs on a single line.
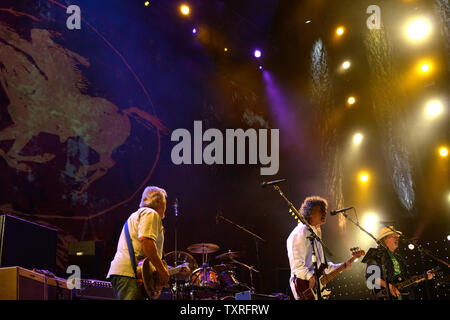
[[130, 248]]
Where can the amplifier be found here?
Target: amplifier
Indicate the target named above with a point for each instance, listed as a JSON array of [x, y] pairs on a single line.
[[57, 289], [92, 289], [17, 283], [26, 244]]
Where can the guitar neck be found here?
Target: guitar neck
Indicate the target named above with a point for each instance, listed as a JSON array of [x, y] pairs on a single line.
[[176, 270], [330, 276], [409, 282]]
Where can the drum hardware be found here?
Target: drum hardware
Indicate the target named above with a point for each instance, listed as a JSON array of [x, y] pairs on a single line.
[[251, 270], [229, 255], [204, 278]]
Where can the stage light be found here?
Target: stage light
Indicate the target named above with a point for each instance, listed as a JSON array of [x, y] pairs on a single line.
[[346, 65], [418, 29], [448, 237], [308, 21], [370, 222], [260, 67], [410, 246], [194, 31], [351, 100], [364, 177], [225, 49], [357, 138], [146, 3], [340, 31], [257, 53], [185, 10], [443, 151], [425, 67], [434, 108]]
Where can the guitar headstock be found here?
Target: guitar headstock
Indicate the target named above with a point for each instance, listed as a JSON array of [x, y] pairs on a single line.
[[357, 253]]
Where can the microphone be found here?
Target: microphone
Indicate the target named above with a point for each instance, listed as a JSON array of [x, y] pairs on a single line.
[[335, 212], [269, 183], [175, 207]]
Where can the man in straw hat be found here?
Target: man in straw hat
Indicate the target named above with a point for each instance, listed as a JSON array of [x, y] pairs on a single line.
[[392, 266], [147, 238]]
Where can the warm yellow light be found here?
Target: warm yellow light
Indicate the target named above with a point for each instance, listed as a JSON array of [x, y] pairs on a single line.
[[418, 29], [147, 3], [443, 151], [357, 138], [184, 9], [370, 222], [434, 108], [351, 100], [425, 67], [340, 31], [225, 49], [364, 177], [346, 64]]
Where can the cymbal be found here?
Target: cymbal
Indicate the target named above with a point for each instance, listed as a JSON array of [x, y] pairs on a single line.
[[228, 255], [203, 248]]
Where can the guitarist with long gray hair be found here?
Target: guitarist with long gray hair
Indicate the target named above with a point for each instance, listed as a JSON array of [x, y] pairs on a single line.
[[146, 238]]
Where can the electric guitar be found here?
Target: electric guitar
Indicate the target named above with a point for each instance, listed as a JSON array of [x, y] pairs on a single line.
[[401, 284], [302, 286], [148, 277]]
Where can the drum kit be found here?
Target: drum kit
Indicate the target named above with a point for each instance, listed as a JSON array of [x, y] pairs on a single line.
[[205, 282]]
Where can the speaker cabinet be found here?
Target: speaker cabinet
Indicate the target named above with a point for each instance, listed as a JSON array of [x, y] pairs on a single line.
[[21, 284], [88, 255], [27, 244], [17, 283]]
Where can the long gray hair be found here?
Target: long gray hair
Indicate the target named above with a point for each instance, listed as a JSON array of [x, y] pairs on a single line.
[[152, 197]]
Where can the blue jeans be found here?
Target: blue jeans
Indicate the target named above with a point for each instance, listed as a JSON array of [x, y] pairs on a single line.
[[126, 288]]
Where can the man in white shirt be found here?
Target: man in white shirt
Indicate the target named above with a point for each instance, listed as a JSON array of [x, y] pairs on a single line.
[[147, 237], [314, 210]]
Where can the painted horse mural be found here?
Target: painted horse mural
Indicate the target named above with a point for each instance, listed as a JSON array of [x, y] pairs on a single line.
[[44, 85]]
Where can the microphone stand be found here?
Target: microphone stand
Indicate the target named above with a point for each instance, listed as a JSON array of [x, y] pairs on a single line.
[[379, 243], [313, 236], [175, 207], [256, 242]]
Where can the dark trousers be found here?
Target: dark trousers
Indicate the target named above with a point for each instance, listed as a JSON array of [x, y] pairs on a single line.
[[126, 288]]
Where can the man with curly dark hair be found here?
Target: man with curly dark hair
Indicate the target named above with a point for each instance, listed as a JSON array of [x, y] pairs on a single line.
[[314, 210]]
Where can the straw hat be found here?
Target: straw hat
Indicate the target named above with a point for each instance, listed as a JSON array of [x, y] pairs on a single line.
[[387, 232]]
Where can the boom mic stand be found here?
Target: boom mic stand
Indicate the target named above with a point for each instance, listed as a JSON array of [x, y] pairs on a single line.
[[379, 243], [313, 236], [256, 242]]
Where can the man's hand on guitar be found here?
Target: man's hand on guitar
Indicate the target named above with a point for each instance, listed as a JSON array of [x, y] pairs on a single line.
[[163, 278], [394, 291]]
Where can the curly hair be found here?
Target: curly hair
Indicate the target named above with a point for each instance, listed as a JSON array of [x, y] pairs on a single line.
[[309, 203]]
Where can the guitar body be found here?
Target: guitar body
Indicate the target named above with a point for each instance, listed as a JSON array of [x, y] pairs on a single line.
[[148, 278], [303, 290]]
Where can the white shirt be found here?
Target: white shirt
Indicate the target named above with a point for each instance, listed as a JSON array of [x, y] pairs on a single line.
[[145, 222], [300, 255]]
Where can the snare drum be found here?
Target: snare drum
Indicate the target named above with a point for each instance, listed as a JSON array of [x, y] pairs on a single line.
[[205, 277]]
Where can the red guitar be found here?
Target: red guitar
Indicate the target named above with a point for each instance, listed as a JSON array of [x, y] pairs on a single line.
[[302, 286]]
